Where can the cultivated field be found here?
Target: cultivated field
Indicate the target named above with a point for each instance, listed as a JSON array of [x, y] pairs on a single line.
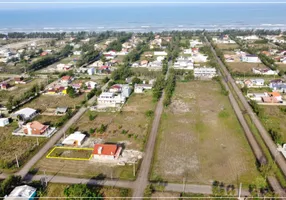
[[201, 139], [53, 101], [131, 127], [10, 146], [242, 67], [282, 66], [274, 118], [57, 190]]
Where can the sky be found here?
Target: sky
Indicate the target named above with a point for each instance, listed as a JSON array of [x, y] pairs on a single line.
[[54, 4]]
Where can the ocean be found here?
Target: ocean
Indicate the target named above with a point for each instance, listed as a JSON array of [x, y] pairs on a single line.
[[146, 18]]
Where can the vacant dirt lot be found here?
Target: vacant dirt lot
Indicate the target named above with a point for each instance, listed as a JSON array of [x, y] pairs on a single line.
[[201, 139], [10, 146], [244, 67]]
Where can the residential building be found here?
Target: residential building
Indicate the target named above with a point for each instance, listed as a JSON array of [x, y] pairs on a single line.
[[35, 128], [77, 53], [103, 70], [160, 53], [4, 86], [254, 82], [140, 88], [144, 63], [25, 114], [4, 122], [61, 110], [91, 71], [90, 84], [278, 87], [64, 67], [184, 63], [65, 80], [106, 151], [264, 71], [160, 58], [74, 139], [110, 99], [19, 80], [205, 72], [23, 192], [250, 58], [194, 43]]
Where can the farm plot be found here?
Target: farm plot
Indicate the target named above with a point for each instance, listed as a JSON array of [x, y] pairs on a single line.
[[201, 139], [70, 153], [242, 67], [11, 146]]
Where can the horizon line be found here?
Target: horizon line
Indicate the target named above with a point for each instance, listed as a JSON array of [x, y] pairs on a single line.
[[142, 2]]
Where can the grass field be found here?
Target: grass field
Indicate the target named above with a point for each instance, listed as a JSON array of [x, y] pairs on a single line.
[[274, 118], [227, 46], [201, 139], [242, 67], [47, 101], [130, 126], [10, 146], [57, 190], [19, 90], [70, 153], [282, 66]]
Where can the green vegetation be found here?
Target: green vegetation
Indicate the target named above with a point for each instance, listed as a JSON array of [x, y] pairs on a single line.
[[158, 87], [8, 184], [169, 89]]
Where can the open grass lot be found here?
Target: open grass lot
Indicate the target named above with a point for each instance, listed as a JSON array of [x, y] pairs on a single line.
[[201, 139], [19, 90], [130, 126], [242, 67], [227, 46], [57, 190], [70, 153], [274, 118], [282, 66], [53, 101], [10, 146]]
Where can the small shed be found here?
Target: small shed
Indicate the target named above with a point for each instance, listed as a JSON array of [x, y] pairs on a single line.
[[75, 139], [61, 110]]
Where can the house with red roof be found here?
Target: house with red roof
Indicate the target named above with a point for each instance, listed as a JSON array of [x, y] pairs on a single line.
[[4, 86], [35, 128], [66, 80], [106, 151]]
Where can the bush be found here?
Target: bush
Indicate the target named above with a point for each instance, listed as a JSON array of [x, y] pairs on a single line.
[[149, 113]]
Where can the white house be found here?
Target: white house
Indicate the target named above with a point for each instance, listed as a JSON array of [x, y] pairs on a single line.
[[254, 82], [109, 99], [194, 43], [64, 67], [160, 58], [75, 139], [140, 88], [205, 72], [184, 63], [250, 59], [91, 84], [23, 192], [4, 122], [25, 113], [264, 71], [91, 71], [77, 53], [160, 53]]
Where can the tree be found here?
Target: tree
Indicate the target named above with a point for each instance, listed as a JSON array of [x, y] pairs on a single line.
[[81, 191], [71, 92]]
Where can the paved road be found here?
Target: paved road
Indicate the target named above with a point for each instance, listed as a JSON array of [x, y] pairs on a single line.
[[173, 187], [251, 139]]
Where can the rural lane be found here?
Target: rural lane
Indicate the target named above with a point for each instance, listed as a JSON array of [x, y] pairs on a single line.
[[251, 139]]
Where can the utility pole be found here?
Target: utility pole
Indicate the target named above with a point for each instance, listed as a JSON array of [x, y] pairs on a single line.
[[184, 184], [17, 161], [239, 192], [134, 169], [46, 182]]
